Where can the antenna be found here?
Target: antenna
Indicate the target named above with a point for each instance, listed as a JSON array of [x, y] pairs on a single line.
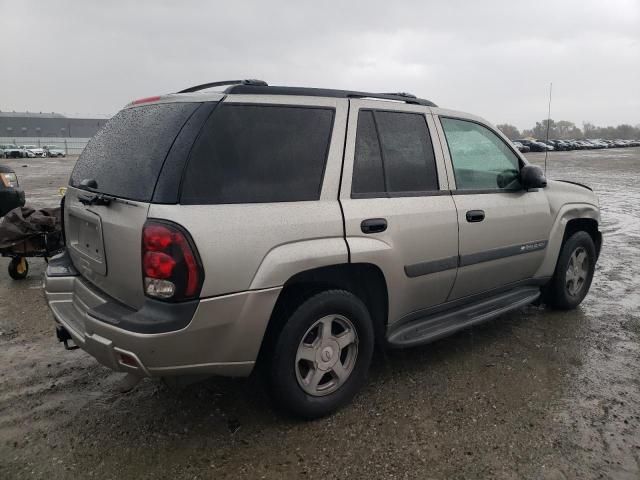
[[546, 150]]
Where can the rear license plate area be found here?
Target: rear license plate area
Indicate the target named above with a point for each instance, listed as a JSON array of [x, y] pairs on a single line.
[[85, 239]]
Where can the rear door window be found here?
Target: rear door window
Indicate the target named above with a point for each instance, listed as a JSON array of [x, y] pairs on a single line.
[[126, 155], [407, 153], [368, 177], [394, 155], [259, 153]]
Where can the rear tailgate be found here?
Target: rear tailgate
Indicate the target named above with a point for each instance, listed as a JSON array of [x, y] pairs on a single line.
[[110, 189], [104, 245]]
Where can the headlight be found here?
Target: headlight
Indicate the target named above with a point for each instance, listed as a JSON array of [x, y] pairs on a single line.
[[9, 180]]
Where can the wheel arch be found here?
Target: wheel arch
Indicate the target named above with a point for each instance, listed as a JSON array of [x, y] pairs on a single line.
[[571, 218], [365, 280], [588, 225]]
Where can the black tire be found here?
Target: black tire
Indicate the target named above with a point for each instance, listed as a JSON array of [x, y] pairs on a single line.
[[17, 269], [557, 292], [285, 389]]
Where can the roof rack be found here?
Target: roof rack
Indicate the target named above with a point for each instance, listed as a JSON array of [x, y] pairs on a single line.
[[264, 89], [223, 83], [260, 87]]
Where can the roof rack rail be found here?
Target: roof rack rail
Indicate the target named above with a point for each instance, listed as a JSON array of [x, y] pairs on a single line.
[[204, 86], [401, 94], [264, 89]]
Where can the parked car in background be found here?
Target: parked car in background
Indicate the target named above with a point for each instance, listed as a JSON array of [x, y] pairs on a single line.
[[31, 151], [597, 143], [284, 227], [13, 151], [561, 145], [53, 151], [545, 146], [11, 196], [533, 145], [521, 147], [548, 144]]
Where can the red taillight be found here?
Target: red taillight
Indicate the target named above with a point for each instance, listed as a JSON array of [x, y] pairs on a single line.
[[146, 100], [158, 265], [170, 265], [157, 237]]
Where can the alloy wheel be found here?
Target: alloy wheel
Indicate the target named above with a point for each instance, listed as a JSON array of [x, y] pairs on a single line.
[[577, 271], [326, 355]]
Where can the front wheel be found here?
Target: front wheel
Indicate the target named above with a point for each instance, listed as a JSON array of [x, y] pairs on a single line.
[[322, 355], [574, 272]]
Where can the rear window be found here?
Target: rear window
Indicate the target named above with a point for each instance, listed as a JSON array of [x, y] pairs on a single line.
[[126, 155], [259, 153]]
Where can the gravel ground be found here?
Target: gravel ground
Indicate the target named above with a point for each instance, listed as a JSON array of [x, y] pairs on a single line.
[[534, 394]]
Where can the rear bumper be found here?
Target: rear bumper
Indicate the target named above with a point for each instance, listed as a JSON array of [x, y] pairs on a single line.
[[223, 337]]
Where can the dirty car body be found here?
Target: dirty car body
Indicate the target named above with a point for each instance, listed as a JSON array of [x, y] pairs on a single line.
[[202, 227]]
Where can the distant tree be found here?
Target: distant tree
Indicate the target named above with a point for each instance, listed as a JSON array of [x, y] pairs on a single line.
[[623, 131], [588, 129], [627, 132], [540, 130], [566, 129], [527, 133], [510, 131]]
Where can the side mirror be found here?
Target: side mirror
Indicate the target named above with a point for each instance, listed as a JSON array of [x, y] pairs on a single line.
[[531, 177]]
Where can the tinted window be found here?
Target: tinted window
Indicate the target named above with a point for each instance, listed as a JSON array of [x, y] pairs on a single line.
[[481, 160], [259, 153], [126, 155], [409, 163], [399, 159], [367, 168]]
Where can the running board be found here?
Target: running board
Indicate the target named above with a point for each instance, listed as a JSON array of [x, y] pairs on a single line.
[[437, 325]]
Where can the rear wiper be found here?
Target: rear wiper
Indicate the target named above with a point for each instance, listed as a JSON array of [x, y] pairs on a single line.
[[97, 198], [94, 199]]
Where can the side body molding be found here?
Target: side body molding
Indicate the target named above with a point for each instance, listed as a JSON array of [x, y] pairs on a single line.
[[567, 212]]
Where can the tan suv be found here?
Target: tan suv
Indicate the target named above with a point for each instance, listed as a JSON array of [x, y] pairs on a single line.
[[297, 228]]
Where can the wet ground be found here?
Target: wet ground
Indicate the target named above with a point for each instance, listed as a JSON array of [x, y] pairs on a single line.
[[534, 394]]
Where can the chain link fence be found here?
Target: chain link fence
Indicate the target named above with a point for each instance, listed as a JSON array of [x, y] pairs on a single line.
[[71, 146]]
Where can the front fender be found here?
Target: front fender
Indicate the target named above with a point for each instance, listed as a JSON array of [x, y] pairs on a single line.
[[567, 212]]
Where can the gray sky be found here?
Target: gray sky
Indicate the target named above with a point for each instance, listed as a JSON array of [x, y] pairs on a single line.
[[491, 58]]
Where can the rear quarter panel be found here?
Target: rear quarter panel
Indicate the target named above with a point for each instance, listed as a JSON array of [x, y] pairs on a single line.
[[236, 241]]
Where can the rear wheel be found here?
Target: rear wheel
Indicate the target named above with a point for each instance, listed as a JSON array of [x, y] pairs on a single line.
[[574, 272], [18, 268], [322, 355]]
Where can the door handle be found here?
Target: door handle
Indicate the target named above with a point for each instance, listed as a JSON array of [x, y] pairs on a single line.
[[475, 216], [373, 225]]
